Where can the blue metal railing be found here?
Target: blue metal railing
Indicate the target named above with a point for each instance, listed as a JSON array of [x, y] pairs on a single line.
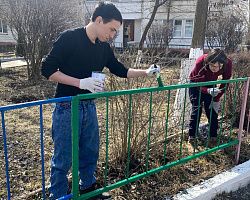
[[3, 109]]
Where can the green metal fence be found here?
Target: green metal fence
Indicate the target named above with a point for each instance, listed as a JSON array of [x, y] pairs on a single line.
[[161, 135]]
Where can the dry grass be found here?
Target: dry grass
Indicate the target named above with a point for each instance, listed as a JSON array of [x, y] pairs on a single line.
[[24, 152]]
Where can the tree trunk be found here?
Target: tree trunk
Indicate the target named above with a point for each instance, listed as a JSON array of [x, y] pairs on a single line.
[[152, 17], [200, 24], [248, 32], [35, 74], [168, 15], [145, 32], [28, 69]]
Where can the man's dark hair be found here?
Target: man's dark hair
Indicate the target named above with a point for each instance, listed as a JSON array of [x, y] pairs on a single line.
[[216, 55], [107, 11]]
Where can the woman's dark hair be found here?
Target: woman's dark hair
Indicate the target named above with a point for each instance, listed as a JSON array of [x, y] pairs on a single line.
[[107, 11], [216, 55]]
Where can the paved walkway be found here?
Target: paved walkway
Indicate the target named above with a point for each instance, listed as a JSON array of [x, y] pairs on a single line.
[[240, 194], [14, 63]]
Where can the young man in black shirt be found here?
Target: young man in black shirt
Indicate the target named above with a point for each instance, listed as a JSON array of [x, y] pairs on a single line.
[[74, 56]]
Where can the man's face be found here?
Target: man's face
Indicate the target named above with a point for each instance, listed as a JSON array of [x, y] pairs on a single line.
[[107, 31]]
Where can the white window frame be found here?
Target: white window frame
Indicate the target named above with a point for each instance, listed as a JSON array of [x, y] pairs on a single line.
[[3, 30], [174, 28], [185, 25], [182, 28]]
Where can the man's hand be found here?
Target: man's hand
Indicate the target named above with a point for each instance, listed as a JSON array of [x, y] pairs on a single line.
[[213, 91], [153, 69], [215, 105], [92, 84]]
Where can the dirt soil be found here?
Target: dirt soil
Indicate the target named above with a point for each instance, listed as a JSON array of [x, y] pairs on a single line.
[[24, 154]]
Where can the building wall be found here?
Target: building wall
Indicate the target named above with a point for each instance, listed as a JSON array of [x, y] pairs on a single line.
[[6, 38], [138, 31], [182, 11], [130, 9], [141, 12]]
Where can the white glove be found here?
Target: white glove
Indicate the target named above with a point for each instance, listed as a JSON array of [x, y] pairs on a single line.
[[213, 91], [153, 69], [215, 106], [91, 84]]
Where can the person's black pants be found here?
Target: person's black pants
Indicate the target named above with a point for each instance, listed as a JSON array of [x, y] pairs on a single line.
[[197, 111]]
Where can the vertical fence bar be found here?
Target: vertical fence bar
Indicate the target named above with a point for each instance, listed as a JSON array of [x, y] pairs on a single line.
[[75, 145], [222, 115], [234, 109], [107, 143], [198, 120], [166, 132], [6, 156], [248, 121], [42, 151], [210, 119], [149, 129], [183, 121], [129, 134], [242, 116]]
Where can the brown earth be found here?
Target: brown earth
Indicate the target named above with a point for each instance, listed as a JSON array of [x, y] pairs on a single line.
[[24, 154]]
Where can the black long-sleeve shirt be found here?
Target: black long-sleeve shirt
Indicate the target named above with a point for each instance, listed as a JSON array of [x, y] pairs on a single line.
[[75, 55]]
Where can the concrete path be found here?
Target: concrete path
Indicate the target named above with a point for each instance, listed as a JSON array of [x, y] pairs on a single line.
[[228, 181], [14, 63]]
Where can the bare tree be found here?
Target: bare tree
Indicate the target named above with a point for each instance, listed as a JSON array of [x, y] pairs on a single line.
[[35, 24], [226, 27], [227, 24], [157, 4], [160, 34], [226, 32]]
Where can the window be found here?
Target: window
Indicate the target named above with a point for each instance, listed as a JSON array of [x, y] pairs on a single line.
[[183, 28], [188, 28], [3, 27], [177, 28]]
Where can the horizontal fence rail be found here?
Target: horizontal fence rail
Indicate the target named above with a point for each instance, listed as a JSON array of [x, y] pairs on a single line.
[[151, 91], [150, 125]]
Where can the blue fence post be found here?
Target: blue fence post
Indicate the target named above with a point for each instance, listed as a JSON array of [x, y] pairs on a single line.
[[6, 156], [42, 151]]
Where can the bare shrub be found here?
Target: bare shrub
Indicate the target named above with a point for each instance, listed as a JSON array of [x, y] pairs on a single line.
[[132, 129], [241, 68], [160, 34], [35, 25], [225, 31]]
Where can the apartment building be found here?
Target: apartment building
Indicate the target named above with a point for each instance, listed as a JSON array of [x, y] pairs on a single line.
[[179, 13], [7, 41]]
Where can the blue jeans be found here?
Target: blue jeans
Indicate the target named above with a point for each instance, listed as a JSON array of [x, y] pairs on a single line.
[[88, 146], [197, 111]]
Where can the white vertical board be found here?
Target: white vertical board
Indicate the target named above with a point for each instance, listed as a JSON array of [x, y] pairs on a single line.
[[186, 66], [195, 53]]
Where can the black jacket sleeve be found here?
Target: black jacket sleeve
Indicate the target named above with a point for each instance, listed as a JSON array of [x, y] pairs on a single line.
[[60, 50], [114, 66]]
